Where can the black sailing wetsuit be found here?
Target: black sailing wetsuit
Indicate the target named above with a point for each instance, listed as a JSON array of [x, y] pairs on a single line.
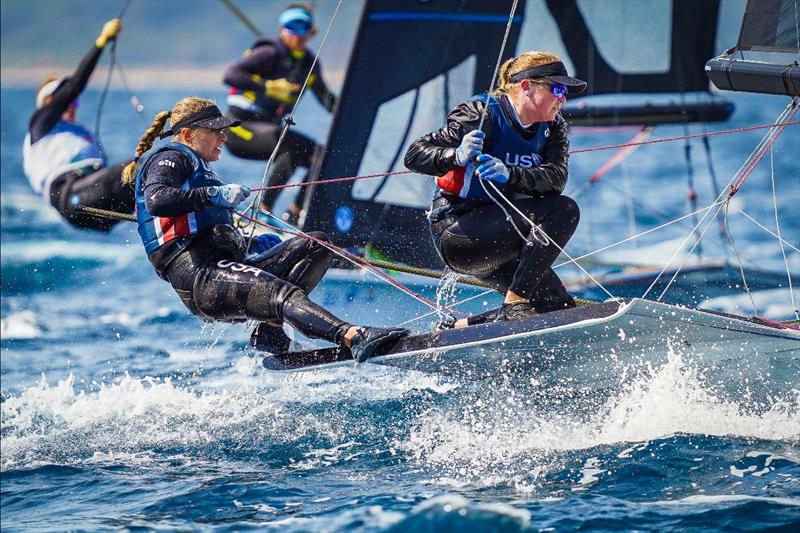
[[209, 272], [473, 237], [256, 138], [64, 163]]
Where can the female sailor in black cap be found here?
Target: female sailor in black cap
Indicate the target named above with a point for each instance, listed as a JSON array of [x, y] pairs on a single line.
[[62, 159], [264, 85], [186, 225], [523, 149]]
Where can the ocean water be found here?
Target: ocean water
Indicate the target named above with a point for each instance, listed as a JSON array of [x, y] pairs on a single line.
[[122, 411]]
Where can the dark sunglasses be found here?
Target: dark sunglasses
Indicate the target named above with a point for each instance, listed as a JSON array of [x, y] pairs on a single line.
[[298, 27], [559, 90]]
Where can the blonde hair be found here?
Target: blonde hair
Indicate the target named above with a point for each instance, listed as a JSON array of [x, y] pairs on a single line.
[[522, 62], [182, 109]]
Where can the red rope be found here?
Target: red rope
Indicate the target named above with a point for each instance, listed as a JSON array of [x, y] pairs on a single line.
[[361, 262], [578, 151], [684, 137]]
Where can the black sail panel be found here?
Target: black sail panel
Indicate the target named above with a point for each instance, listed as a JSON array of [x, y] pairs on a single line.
[[400, 46], [693, 25], [770, 26]]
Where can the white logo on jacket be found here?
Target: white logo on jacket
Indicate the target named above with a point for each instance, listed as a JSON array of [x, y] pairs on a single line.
[[524, 160], [239, 267]]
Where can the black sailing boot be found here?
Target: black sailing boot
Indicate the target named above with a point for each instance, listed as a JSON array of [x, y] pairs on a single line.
[[270, 338], [515, 311], [368, 341]]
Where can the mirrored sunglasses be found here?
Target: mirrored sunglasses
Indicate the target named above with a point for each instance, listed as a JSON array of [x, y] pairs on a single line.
[[559, 90], [298, 27]]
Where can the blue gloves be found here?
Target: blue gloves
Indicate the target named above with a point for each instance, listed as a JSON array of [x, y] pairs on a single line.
[[260, 246], [471, 145], [264, 242], [227, 196], [491, 168]]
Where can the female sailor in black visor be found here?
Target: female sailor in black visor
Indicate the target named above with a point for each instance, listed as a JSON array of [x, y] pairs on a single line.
[[523, 149], [62, 159], [185, 222], [265, 84]]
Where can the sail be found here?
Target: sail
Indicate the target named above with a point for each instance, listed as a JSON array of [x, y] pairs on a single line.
[[414, 60], [770, 34]]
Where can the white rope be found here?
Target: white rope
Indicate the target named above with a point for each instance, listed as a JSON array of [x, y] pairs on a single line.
[[766, 229], [778, 227], [642, 234], [741, 263], [689, 253], [499, 60]]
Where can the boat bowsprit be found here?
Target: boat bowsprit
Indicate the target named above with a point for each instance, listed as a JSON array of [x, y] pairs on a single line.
[[588, 340]]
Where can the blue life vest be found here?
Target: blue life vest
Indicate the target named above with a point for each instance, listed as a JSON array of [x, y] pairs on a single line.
[[507, 145], [156, 231]]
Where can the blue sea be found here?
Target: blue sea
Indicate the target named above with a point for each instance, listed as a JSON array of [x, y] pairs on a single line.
[[121, 411]]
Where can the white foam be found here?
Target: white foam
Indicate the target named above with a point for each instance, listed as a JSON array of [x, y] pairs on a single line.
[[21, 325], [504, 435], [131, 415]]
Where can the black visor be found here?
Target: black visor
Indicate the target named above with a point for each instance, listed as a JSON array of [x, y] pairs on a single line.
[[208, 117], [555, 72]]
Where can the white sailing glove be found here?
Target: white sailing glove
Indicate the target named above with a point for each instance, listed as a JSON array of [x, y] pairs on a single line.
[[227, 196], [471, 145]]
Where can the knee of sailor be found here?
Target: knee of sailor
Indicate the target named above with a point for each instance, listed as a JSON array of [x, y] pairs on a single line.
[[570, 210]]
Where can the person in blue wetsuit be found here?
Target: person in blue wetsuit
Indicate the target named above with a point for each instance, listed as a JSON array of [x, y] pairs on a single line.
[[184, 212], [265, 85], [62, 160], [523, 150]]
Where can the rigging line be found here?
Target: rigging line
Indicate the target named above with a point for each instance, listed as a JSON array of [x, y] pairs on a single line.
[[333, 180], [288, 122], [780, 240], [499, 60], [742, 169], [687, 150], [460, 302], [113, 59], [642, 234], [101, 103], [723, 230], [135, 102], [242, 17], [766, 229], [773, 136], [689, 254], [344, 254], [659, 212], [683, 137], [741, 263]]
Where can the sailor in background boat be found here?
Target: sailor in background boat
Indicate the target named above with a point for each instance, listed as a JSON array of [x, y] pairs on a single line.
[[63, 160], [265, 84], [523, 149], [184, 212]]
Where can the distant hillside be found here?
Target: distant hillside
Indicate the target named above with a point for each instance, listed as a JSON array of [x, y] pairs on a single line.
[[181, 34]]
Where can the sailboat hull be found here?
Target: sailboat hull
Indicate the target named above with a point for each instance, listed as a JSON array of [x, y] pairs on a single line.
[[593, 342]]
